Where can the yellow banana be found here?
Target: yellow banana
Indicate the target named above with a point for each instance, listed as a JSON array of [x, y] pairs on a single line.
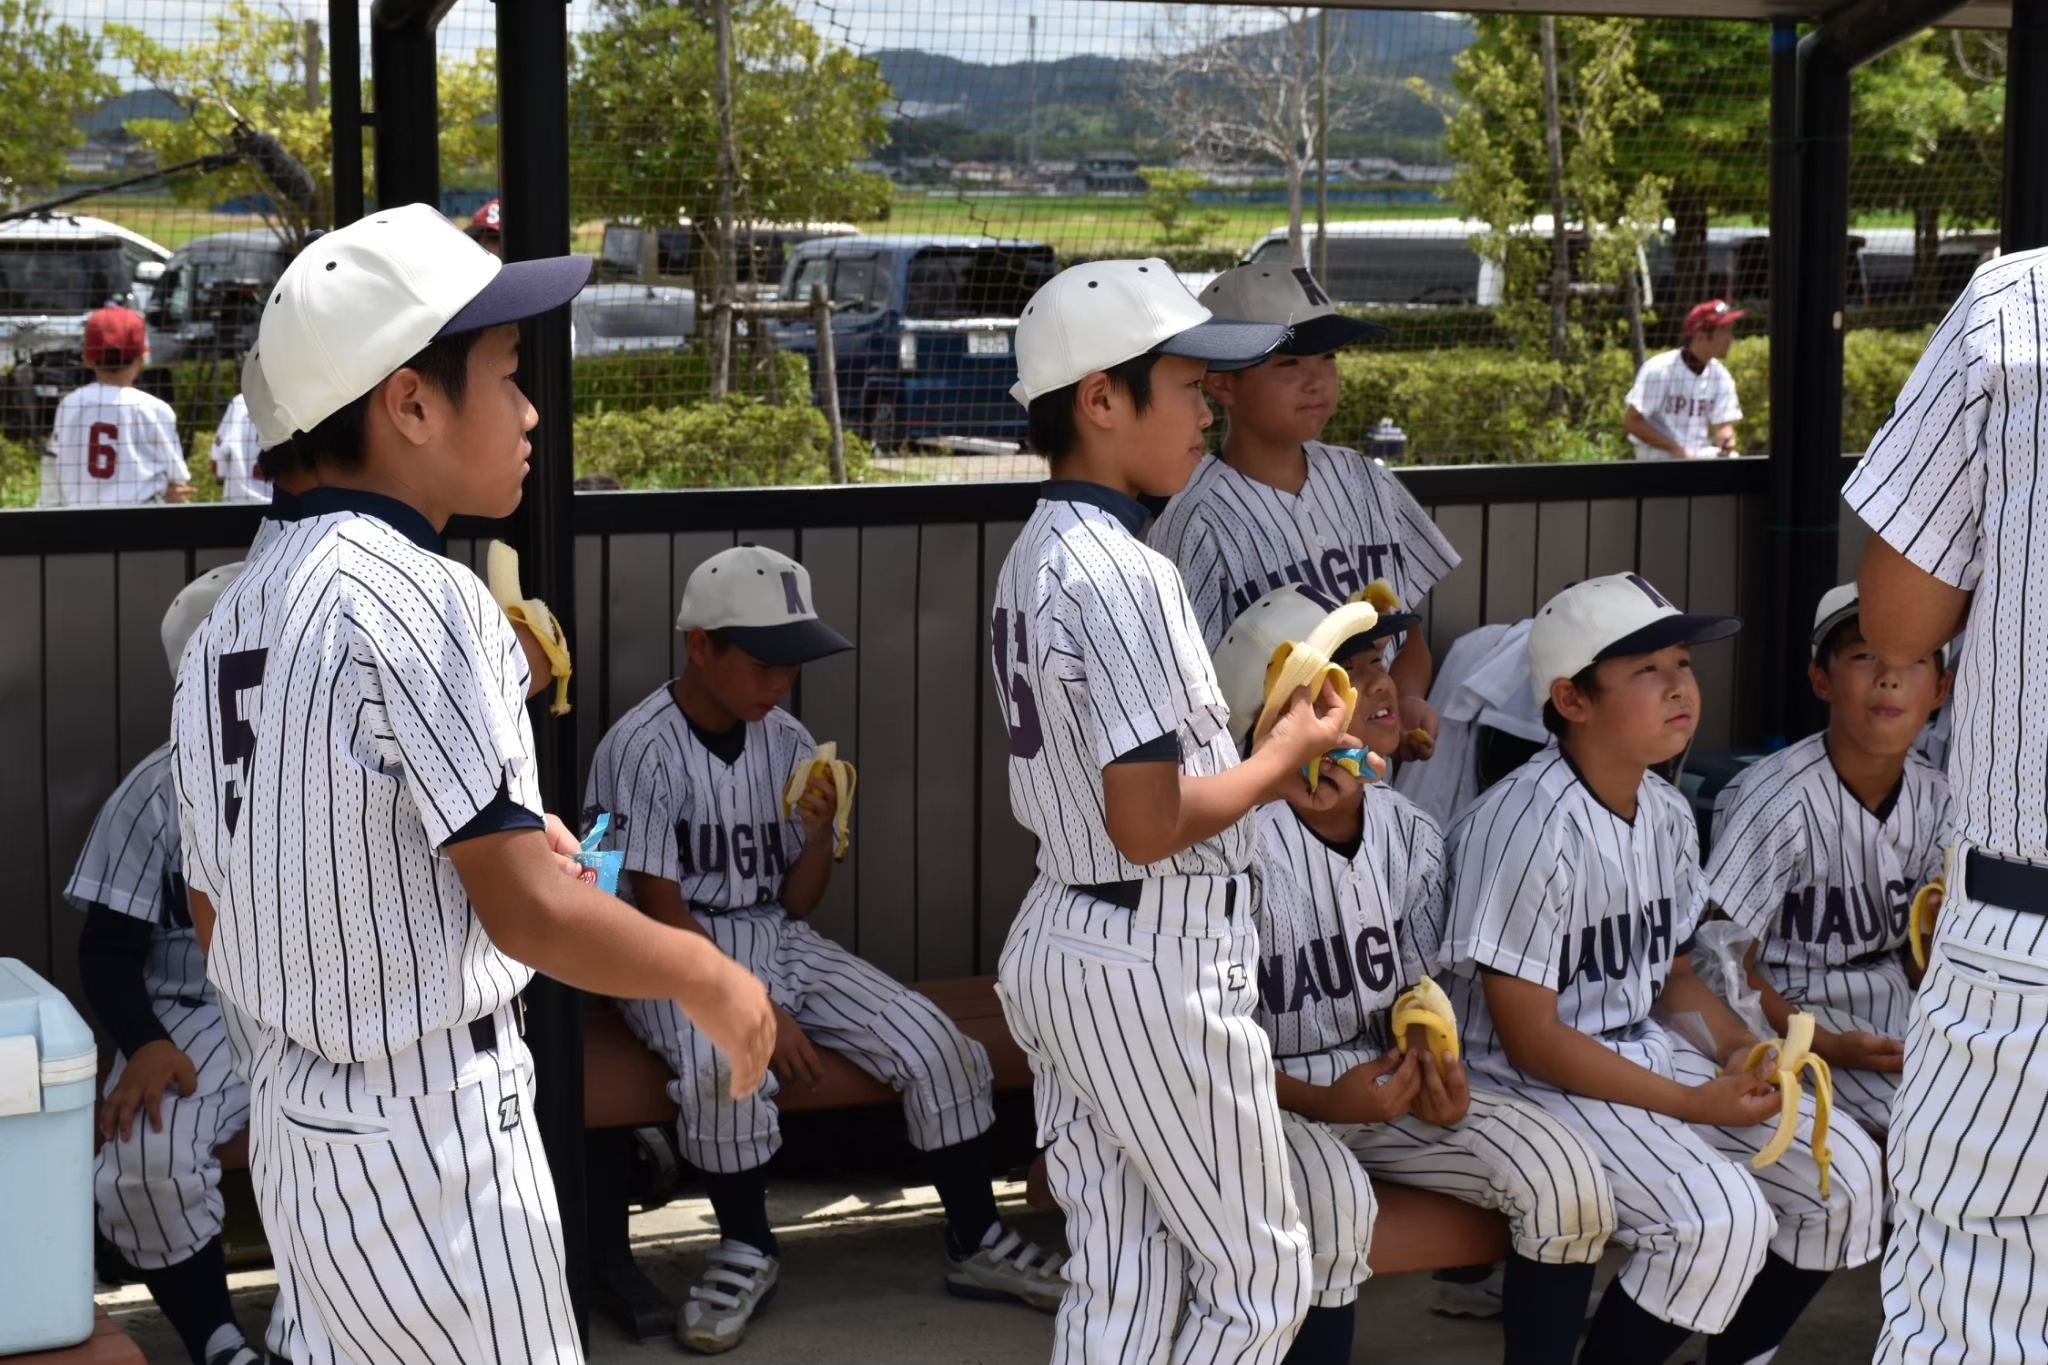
[[825, 762], [501, 575], [1920, 919], [1307, 664], [1795, 1054], [1379, 595], [1425, 1005]]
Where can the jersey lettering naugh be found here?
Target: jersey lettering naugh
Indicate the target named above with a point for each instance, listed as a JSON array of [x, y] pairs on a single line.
[[1096, 652], [130, 865], [1821, 881], [1340, 938], [1236, 539], [1953, 481], [1550, 886], [353, 701], [681, 813], [1686, 406], [115, 446]]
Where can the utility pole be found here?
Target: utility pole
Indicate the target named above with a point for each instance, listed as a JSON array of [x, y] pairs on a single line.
[[728, 177], [1323, 148], [1031, 70], [1553, 141]]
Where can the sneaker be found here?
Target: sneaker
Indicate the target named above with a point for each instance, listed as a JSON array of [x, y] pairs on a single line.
[[1467, 1299], [738, 1280], [1008, 1267]]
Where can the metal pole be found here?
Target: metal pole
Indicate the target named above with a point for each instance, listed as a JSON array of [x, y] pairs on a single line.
[[828, 378], [533, 161], [1031, 66], [1777, 719], [345, 108], [404, 75], [2024, 223], [1323, 147], [728, 176]]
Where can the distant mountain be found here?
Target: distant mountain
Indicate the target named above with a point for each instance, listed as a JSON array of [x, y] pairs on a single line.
[[110, 118]]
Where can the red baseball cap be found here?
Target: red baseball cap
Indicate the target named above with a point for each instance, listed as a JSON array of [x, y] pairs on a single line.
[[114, 337], [1705, 317], [489, 218]]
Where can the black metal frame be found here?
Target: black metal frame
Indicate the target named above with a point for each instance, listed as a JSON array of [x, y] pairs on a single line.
[[2024, 220], [345, 108], [406, 79]]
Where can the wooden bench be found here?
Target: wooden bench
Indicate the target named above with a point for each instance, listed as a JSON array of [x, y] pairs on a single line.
[[108, 1345]]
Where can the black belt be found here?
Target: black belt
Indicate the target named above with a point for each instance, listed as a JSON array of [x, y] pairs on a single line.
[[1127, 895], [483, 1035], [1992, 880]]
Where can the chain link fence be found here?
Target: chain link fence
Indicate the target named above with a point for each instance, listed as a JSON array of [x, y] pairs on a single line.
[[1528, 207]]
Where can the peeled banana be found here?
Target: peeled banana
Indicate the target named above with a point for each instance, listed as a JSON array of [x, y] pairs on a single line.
[[1795, 1054], [1307, 664], [825, 762], [1920, 919], [1426, 1006], [501, 575], [1379, 595]]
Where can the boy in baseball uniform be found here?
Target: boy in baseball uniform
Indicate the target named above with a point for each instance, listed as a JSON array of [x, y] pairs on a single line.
[[1129, 973], [369, 866], [111, 444], [173, 1094], [1819, 849], [694, 778], [1575, 888], [1275, 505], [1348, 917]]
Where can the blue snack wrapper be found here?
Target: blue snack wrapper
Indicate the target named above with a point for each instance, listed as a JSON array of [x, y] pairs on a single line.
[[1351, 761], [600, 866]]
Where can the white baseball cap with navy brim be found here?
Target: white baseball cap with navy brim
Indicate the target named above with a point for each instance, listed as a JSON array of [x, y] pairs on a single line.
[[761, 600], [1286, 615], [1611, 617], [1290, 296], [1092, 316], [190, 607], [359, 302]]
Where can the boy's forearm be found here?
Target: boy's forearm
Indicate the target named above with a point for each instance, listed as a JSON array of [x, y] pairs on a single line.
[[1582, 1065], [1413, 666], [808, 876], [1154, 810], [1776, 1008], [1298, 1097]]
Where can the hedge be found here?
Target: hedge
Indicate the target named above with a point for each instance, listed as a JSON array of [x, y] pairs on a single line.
[[737, 442]]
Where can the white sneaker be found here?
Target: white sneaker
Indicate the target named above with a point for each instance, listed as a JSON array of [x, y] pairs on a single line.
[[737, 1281], [1472, 1299], [1008, 1267]]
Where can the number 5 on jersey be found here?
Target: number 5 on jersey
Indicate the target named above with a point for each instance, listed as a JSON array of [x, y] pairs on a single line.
[[240, 674], [1020, 705]]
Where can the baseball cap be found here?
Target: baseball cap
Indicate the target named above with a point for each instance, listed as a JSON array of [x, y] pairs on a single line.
[[362, 300], [489, 218], [1837, 605], [1286, 615], [1713, 313], [1102, 313], [114, 337], [190, 606], [1291, 297], [762, 601], [1608, 617]]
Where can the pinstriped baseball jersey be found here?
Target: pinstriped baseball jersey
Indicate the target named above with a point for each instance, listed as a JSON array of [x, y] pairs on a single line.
[[353, 701], [1339, 936], [1096, 653], [1953, 481], [235, 450], [1549, 885], [1821, 881], [679, 812], [115, 446], [1236, 539], [130, 864]]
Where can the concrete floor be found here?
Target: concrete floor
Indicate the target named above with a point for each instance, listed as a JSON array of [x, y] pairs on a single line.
[[861, 1282]]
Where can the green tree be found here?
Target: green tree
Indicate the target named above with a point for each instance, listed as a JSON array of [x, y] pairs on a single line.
[[1169, 194], [468, 103], [805, 112], [49, 74]]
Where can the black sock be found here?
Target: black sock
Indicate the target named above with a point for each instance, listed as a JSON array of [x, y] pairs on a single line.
[[1624, 1334], [740, 1199], [1324, 1338], [1542, 1310], [193, 1294], [960, 1173], [1776, 1298], [1464, 1274]]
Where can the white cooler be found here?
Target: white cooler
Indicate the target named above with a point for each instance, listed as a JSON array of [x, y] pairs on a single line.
[[48, 1066]]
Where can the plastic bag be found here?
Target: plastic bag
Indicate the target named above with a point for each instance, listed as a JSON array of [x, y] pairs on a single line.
[[600, 866]]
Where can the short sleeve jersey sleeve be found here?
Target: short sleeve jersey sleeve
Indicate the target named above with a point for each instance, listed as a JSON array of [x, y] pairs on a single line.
[[1511, 877], [133, 843], [1760, 847], [1726, 405], [165, 452]]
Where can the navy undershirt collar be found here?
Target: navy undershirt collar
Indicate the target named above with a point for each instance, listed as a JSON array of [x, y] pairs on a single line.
[[283, 506], [1122, 506], [404, 519]]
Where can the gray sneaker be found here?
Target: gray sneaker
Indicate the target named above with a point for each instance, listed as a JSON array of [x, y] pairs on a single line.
[[738, 1280], [1467, 1299], [1008, 1267]]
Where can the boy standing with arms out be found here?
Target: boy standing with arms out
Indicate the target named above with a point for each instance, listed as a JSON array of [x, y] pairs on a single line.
[[1277, 506], [1683, 405], [369, 864], [1819, 848], [1128, 974], [1575, 891], [113, 445]]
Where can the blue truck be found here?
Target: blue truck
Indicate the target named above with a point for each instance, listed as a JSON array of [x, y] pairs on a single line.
[[923, 330]]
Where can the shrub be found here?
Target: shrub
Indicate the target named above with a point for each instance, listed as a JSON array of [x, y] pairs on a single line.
[[737, 442], [1473, 406], [20, 473]]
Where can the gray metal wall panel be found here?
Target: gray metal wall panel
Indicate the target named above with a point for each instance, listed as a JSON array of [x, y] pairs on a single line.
[[1454, 603], [202, 560], [1663, 538], [79, 710], [829, 706], [887, 878], [1560, 548], [1711, 586], [145, 585], [637, 598], [949, 662], [587, 686], [1610, 536], [1510, 561], [1754, 585], [33, 879], [1008, 855]]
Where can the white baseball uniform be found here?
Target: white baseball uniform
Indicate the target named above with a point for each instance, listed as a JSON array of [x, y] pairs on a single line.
[[1550, 886], [1824, 885], [1688, 406], [355, 703], [115, 446], [1236, 539], [1953, 482], [1342, 932], [157, 1194], [235, 448], [716, 829], [1131, 987]]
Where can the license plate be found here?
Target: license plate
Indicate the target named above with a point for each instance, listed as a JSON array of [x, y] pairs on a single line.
[[988, 343]]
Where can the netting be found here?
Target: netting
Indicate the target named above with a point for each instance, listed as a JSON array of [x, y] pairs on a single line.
[[921, 165]]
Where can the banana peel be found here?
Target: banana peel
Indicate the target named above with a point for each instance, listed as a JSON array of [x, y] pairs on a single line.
[[1920, 919], [1425, 1006], [825, 762], [1379, 595], [501, 575], [1795, 1055], [1307, 664]]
